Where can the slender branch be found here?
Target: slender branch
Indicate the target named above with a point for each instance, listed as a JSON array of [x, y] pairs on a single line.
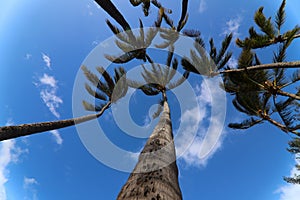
[[279, 125], [283, 93], [295, 64], [10, 132]]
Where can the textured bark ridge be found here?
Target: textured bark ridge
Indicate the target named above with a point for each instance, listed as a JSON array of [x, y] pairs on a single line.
[[155, 177]]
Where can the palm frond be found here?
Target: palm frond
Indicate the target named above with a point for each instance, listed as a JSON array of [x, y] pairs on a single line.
[[264, 24], [175, 84], [183, 17], [280, 16], [245, 124]]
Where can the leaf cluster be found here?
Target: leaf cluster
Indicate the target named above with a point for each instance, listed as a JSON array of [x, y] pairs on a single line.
[[107, 90]]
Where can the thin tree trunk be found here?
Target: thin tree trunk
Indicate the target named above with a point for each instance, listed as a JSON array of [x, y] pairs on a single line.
[[110, 8], [10, 132], [155, 176]]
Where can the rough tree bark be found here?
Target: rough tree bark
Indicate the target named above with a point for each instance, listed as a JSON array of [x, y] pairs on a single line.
[[155, 176]]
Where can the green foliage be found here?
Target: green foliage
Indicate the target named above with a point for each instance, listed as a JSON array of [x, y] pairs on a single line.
[[201, 63], [109, 90], [294, 149]]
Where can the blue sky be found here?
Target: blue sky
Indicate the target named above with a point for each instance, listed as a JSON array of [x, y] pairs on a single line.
[[42, 46]]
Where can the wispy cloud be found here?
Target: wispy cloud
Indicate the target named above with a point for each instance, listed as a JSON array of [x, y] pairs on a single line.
[[9, 153], [48, 80], [202, 6], [47, 60], [28, 182], [48, 93], [290, 191], [57, 137], [232, 26], [28, 56], [29, 185], [200, 141]]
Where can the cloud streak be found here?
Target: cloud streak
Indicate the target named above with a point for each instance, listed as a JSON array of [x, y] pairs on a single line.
[[47, 60], [201, 127], [48, 93], [202, 6], [232, 26], [57, 137]]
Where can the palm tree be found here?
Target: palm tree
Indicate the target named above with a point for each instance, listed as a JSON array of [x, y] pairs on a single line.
[[155, 176], [107, 92]]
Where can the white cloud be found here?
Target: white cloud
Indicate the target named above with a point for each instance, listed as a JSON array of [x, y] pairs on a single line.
[[28, 185], [201, 126], [28, 182], [28, 56], [202, 6], [232, 26], [48, 80], [47, 60], [9, 153], [51, 100], [290, 191], [48, 93], [57, 136], [6, 154]]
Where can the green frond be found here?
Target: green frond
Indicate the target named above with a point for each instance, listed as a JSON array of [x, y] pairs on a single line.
[[183, 17], [142, 33], [134, 84], [264, 24], [294, 146], [191, 33], [94, 93], [120, 89], [150, 90], [213, 49], [224, 60], [187, 65], [199, 42], [286, 110], [245, 124], [149, 76], [281, 55], [113, 28], [107, 77], [225, 44], [152, 32], [296, 76], [119, 73], [289, 35], [245, 59], [280, 16], [90, 76], [179, 81], [172, 70], [124, 58], [124, 46]]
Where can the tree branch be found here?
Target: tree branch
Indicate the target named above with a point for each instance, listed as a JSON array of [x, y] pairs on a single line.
[[10, 132], [295, 64]]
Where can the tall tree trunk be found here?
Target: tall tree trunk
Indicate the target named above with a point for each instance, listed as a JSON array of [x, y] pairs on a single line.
[[10, 132], [155, 176]]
